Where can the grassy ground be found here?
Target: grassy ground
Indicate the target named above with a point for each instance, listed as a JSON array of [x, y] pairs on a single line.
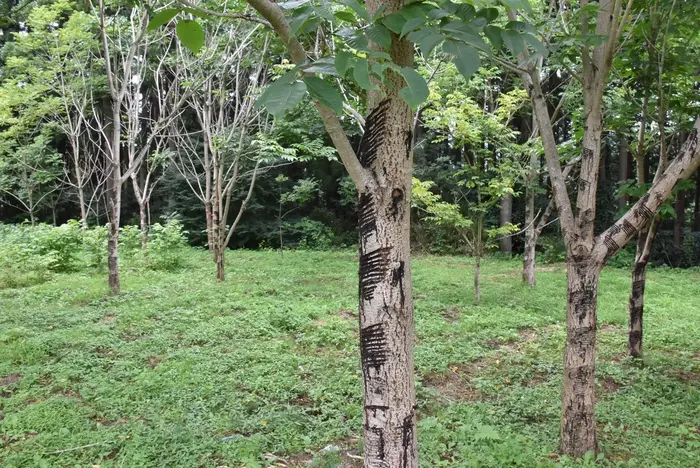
[[264, 368]]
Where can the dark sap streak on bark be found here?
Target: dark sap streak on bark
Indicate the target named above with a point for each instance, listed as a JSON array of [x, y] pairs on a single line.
[[373, 346], [375, 131], [409, 143], [582, 300], [367, 216], [581, 336], [397, 280], [396, 199], [587, 153], [373, 267], [407, 432]]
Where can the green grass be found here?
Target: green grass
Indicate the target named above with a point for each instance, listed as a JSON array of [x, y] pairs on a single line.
[[264, 368]]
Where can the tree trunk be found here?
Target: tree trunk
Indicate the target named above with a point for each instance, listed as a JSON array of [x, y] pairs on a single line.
[[386, 302], [220, 259], [578, 434], [208, 214], [144, 225], [679, 224], [113, 212], [696, 204], [506, 217], [636, 301], [530, 240], [83, 211], [477, 255]]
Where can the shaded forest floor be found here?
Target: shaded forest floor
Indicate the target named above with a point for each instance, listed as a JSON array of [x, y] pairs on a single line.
[[263, 369]]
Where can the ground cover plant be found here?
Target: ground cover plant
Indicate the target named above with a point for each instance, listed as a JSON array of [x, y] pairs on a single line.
[[264, 369]]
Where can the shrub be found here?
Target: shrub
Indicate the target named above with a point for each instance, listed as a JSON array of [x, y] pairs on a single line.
[[165, 245], [95, 247], [312, 234]]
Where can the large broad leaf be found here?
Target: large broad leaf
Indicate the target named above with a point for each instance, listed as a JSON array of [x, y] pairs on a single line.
[[325, 93], [411, 25], [518, 5], [514, 41], [282, 95], [466, 59], [380, 35], [162, 17], [358, 9], [323, 66], [394, 21], [427, 39], [342, 62], [191, 34], [535, 43], [494, 35], [417, 90], [361, 74], [465, 33]]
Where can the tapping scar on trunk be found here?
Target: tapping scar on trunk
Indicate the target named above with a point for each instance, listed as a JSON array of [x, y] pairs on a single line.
[[374, 448], [643, 211], [375, 131], [587, 153], [373, 268], [373, 346], [407, 435], [367, 216]]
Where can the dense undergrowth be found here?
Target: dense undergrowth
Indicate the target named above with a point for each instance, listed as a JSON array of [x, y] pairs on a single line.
[[263, 369]]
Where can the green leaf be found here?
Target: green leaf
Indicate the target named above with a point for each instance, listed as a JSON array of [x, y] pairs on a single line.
[[325, 93], [394, 22], [518, 5], [514, 41], [191, 34], [361, 74], [380, 35], [464, 32], [324, 66], [536, 45], [378, 13], [282, 95], [345, 16], [490, 14], [466, 59], [427, 39], [293, 4], [162, 17], [417, 90], [358, 9], [493, 33], [411, 25], [342, 62]]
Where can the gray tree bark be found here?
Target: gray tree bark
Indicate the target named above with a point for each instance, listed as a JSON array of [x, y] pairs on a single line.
[[382, 172]]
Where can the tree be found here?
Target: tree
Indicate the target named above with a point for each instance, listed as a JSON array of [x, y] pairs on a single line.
[[587, 253], [479, 128], [125, 51]]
